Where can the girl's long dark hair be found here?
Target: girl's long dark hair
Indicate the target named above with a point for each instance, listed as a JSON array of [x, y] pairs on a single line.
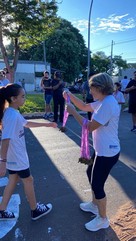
[[6, 93]]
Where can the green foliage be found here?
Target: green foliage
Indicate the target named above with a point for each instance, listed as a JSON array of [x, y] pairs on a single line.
[[101, 63], [65, 50], [118, 61], [27, 22], [34, 103]]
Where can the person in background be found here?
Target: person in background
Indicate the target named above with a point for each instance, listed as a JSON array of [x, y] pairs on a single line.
[[19, 82], [3, 80], [118, 94], [87, 96], [124, 82], [7, 74], [131, 90], [58, 100], [23, 85], [14, 155], [46, 85], [104, 128]]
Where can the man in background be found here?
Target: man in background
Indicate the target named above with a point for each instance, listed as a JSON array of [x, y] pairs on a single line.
[[58, 100], [46, 85], [131, 90]]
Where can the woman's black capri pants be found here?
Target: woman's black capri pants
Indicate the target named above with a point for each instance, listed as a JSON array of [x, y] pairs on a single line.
[[98, 173]]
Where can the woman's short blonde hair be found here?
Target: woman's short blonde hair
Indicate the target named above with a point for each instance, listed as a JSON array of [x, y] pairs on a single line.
[[103, 82]]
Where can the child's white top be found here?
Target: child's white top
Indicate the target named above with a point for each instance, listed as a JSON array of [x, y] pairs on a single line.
[[119, 97], [13, 128]]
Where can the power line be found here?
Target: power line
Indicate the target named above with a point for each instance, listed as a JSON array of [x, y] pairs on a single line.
[[102, 48], [127, 41], [115, 43]]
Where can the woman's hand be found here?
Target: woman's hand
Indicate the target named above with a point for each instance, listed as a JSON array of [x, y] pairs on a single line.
[[66, 93], [70, 108]]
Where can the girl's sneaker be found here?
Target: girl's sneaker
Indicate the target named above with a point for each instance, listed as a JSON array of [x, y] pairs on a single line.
[[45, 116], [7, 215], [50, 115], [41, 210]]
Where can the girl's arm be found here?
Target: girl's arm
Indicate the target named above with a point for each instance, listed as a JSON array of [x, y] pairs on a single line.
[[4, 149], [77, 102], [31, 124]]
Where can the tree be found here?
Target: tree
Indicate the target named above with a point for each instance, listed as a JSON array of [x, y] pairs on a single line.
[[102, 63], [119, 62], [65, 50], [25, 23]]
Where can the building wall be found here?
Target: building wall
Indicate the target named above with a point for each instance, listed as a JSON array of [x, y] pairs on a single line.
[[26, 70], [128, 72]]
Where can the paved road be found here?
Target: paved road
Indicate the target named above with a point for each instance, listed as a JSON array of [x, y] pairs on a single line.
[[61, 180]]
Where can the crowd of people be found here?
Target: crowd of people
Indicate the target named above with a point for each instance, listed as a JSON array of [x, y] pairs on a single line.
[[102, 99]]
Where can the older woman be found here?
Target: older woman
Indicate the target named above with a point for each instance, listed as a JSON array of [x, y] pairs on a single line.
[[104, 128]]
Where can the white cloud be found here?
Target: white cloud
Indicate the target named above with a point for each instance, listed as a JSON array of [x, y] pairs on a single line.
[[114, 23], [82, 25]]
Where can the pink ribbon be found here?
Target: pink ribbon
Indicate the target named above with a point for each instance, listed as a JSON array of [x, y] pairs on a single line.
[[66, 114], [84, 150]]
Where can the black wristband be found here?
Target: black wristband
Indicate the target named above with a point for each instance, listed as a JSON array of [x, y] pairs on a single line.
[[3, 160]]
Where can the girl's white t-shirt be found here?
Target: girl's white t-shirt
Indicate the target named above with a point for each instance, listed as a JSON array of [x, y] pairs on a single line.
[[119, 97], [105, 138], [13, 128]]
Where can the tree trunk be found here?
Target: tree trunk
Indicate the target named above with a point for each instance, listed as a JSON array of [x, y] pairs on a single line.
[[11, 67]]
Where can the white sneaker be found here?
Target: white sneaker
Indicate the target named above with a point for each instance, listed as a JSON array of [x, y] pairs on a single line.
[[89, 207], [97, 223]]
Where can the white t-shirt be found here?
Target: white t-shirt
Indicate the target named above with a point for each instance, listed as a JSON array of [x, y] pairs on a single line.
[[13, 128], [4, 82], [124, 83], [119, 97], [105, 138]]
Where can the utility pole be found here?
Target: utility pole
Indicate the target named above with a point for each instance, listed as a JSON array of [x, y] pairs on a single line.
[[111, 57], [89, 19]]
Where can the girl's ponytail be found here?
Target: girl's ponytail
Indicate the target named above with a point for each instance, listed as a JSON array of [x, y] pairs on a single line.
[[2, 102], [5, 96]]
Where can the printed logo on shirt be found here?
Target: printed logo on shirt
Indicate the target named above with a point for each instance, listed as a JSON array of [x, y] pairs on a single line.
[[113, 146], [21, 133]]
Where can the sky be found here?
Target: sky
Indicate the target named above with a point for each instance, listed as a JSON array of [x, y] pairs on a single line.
[[110, 21]]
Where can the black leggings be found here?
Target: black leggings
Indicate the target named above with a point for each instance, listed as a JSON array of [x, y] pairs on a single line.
[[98, 173]]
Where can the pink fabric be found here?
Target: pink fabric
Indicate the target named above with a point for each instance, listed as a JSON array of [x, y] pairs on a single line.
[[85, 151], [66, 114]]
